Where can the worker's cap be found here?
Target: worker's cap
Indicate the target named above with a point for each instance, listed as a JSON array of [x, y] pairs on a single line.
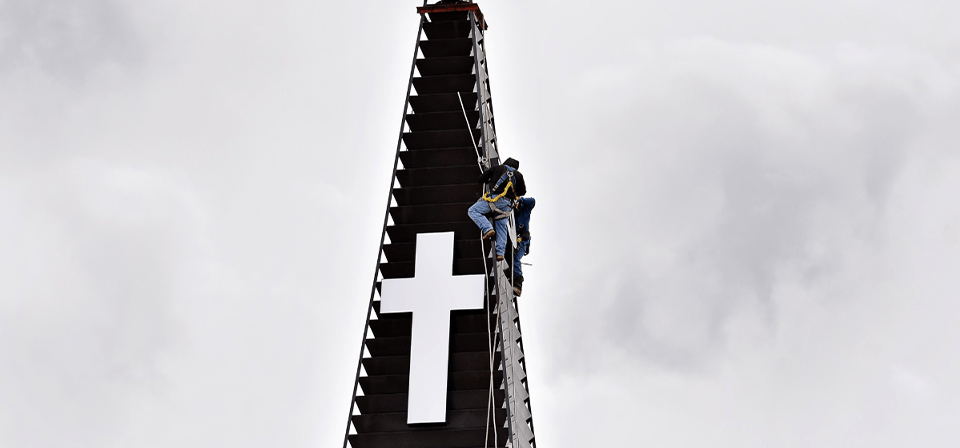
[[513, 163]]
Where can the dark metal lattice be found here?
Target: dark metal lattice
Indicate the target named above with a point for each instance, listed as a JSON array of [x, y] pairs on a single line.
[[447, 137]]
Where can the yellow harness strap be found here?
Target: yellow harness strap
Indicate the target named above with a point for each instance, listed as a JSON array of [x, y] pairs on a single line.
[[486, 196]]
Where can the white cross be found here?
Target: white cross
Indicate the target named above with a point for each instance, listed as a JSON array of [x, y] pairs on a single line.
[[431, 295]]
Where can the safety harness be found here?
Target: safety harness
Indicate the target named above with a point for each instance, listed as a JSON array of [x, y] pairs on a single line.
[[507, 176]]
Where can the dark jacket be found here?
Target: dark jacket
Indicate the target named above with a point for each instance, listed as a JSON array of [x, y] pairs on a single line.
[[492, 175], [522, 217]]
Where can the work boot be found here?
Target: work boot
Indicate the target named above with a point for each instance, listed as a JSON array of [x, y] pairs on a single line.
[[517, 285], [499, 257], [489, 234]]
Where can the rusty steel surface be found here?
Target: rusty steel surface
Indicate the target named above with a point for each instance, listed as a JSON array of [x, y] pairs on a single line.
[[454, 7]]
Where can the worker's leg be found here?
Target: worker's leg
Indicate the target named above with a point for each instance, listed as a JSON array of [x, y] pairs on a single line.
[[502, 235], [476, 212], [501, 226], [508, 267], [520, 252]]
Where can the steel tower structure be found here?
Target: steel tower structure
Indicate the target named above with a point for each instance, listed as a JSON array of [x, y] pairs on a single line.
[[447, 137]]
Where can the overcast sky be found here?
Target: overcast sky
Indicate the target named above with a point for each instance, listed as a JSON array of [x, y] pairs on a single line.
[[747, 232]]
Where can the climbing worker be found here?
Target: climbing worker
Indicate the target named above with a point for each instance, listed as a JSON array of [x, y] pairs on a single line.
[[506, 184], [521, 216]]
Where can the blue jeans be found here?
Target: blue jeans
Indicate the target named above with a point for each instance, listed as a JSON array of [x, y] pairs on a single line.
[[519, 252], [482, 207]]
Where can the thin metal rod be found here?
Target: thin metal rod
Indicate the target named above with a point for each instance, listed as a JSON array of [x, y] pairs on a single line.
[[486, 307], [503, 361], [383, 234], [467, 120]]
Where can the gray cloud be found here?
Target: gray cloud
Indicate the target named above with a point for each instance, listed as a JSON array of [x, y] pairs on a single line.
[[91, 262], [746, 218], [747, 167], [66, 38]]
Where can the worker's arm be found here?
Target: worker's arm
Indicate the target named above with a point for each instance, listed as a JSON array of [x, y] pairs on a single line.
[[528, 204], [520, 187], [486, 176]]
